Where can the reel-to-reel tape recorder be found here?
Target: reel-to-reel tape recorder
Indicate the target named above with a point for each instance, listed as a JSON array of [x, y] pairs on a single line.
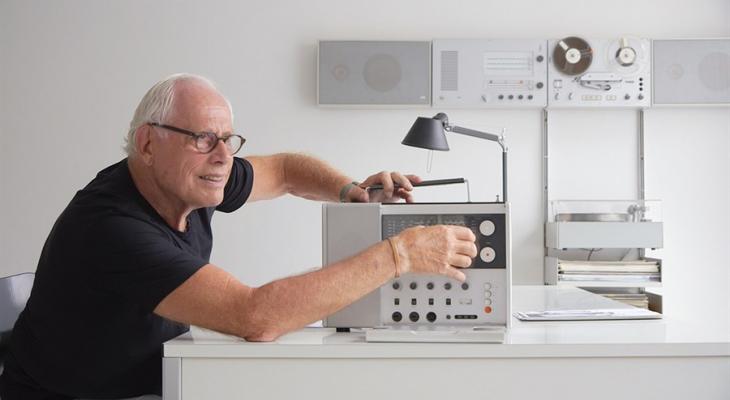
[[599, 73]]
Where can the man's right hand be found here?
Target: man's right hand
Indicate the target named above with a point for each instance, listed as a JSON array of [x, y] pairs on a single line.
[[438, 249]]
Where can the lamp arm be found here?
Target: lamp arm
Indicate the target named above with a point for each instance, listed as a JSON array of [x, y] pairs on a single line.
[[478, 134], [488, 136]]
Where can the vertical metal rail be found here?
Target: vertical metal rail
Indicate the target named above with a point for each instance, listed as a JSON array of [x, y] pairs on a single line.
[[641, 168], [545, 163], [642, 187]]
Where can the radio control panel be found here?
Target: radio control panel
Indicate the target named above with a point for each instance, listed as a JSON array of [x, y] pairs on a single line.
[[419, 299]]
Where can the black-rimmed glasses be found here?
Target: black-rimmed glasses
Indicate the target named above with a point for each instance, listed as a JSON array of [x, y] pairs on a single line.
[[205, 142]]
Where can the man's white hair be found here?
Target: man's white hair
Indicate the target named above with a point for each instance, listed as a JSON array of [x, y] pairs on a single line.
[[157, 104]]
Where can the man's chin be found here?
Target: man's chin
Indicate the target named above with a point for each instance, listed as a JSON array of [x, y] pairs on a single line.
[[212, 201]]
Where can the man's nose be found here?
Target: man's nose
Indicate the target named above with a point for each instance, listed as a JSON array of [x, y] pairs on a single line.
[[220, 152]]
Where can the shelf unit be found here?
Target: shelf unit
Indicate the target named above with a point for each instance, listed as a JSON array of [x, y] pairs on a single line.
[[618, 228]]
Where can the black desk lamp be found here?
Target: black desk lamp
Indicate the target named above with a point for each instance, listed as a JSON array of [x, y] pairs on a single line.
[[428, 133]]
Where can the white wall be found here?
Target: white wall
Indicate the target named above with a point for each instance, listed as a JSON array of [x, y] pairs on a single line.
[[71, 74]]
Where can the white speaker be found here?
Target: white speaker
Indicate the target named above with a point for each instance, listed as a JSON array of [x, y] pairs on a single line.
[[389, 73], [691, 71]]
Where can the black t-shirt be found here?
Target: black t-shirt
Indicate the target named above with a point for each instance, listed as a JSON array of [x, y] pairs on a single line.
[[89, 329]]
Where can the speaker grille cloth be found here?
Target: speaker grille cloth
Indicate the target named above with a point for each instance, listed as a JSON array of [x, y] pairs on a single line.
[[449, 70]]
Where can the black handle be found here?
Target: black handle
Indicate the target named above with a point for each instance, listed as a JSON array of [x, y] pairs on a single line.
[[433, 182]]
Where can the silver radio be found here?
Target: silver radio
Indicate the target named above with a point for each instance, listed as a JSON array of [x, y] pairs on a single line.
[[416, 300], [489, 73]]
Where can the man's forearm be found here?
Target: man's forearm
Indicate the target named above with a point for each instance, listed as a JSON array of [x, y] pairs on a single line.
[[291, 303], [313, 179]]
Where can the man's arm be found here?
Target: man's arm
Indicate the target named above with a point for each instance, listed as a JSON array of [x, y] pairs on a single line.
[[214, 299], [308, 177], [297, 174]]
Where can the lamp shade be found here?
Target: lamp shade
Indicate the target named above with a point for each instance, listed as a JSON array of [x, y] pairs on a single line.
[[427, 133]]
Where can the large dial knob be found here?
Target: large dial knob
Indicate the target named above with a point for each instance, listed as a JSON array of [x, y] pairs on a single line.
[[486, 228], [487, 254]]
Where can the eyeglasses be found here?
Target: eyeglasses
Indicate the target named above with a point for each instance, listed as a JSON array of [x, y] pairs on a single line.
[[205, 142]]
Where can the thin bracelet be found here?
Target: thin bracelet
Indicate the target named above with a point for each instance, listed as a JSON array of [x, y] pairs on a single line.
[[346, 189], [396, 258]]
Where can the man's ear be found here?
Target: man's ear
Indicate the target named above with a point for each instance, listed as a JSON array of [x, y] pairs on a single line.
[[143, 143]]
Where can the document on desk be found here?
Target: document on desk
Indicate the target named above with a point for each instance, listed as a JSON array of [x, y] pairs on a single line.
[[587, 315]]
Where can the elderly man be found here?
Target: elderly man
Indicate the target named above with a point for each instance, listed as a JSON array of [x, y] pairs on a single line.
[[126, 266]]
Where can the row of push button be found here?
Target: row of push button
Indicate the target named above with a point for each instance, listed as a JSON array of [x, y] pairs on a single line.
[[413, 316], [430, 286]]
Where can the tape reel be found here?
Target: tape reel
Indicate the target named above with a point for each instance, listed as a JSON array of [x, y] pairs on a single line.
[[572, 56], [627, 55]]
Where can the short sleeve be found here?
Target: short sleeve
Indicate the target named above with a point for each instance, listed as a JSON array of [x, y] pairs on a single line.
[[239, 185], [137, 261]]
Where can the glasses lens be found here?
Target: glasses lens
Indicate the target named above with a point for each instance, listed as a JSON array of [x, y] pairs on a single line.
[[234, 143], [207, 142]]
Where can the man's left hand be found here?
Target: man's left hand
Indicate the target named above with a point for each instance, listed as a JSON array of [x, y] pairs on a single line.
[[396, 186]]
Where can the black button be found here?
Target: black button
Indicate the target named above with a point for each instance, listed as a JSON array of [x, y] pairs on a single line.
[[397, 316], [511, 97], [430, 302], [396, 285], [539, 85], [413, 302], [448, 302], [540, 58], [529, 97], [431, 316], [501, 96], [396, 301], [414, 316], [520, 97], [414, 285], [447, 285], [465, 286], [429, 286]]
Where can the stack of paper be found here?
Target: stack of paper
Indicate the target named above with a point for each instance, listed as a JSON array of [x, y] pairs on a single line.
[[609, 271], [575, 315], [633, 299]]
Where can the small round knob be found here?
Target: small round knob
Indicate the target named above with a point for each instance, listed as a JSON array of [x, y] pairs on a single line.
[[397, 317], [447, 285], [396, 285], [414, 316], [627, 97], [429, 286], [465, 286], [539, 85], [540, 58], [431, 316], [413, 285]]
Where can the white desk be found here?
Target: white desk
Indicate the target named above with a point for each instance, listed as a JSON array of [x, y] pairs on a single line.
[[651, 359]]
